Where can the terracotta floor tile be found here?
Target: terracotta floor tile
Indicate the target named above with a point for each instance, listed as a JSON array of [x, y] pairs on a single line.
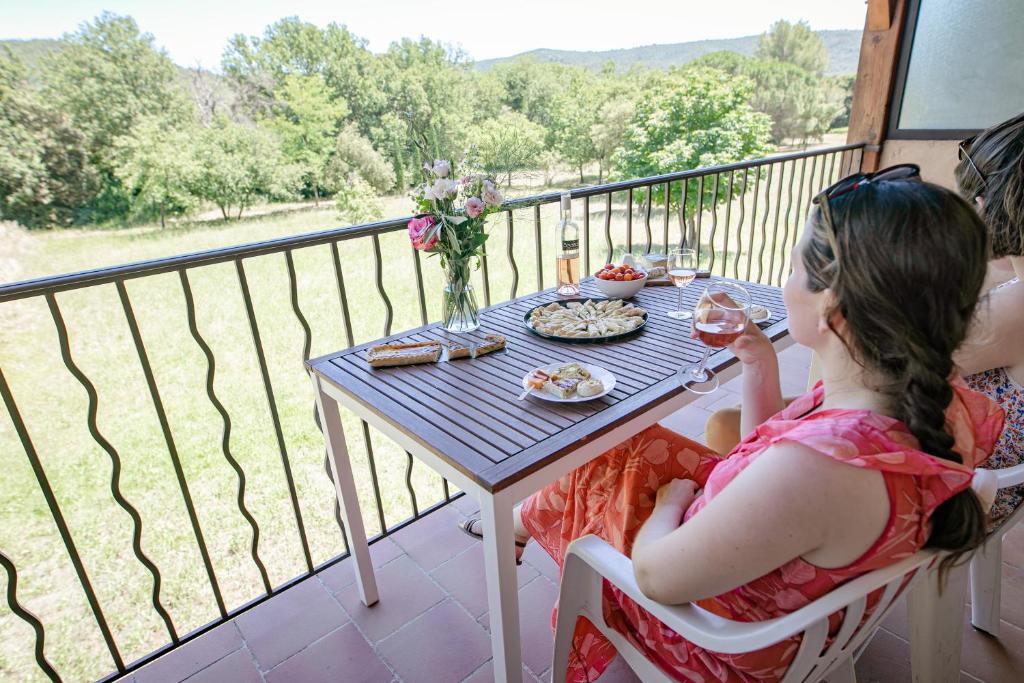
[[237, 667], [286, 623], [434, 539], [405, 593], [537, 639], [688, 421], [343, 574], [190, 658], [464, 578], [485, 674], [537, 558], [342, 655], [442, 645], [619, 672], [1013, 546], [991, 660], [466, 505], [887, 660]]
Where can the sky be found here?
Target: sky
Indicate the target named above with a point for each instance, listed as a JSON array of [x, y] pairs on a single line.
[[196, 31]]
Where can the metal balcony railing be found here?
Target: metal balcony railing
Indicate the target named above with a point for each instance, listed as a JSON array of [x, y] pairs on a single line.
[[743, 218]]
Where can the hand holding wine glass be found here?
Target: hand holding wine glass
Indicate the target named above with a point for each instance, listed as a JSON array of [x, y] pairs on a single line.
[[720, 317]]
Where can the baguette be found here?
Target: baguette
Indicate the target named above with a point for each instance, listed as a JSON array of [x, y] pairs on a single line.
[[387, 355], [457, 350], [492, 342]]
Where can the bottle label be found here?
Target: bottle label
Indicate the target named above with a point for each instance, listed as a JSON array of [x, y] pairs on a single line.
[[570, 245]]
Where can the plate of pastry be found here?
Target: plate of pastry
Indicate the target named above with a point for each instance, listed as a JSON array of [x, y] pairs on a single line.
[[568, 382], [585, 320], [759, 314]]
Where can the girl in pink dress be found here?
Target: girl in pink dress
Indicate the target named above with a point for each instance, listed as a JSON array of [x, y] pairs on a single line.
[[872, 465]]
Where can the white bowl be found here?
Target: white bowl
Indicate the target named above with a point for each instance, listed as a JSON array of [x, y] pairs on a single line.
[[619, 289]]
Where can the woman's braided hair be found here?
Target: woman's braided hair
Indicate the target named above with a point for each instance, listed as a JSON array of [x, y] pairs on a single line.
[[911, 262]]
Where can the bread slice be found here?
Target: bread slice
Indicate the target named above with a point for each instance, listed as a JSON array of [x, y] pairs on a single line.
[[387, 355], [562, 388], [457, 350], [492, 342]]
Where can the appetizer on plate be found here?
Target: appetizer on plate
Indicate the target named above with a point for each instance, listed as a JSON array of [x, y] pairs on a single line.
[[572, 379], [589, 319], [759, 314]]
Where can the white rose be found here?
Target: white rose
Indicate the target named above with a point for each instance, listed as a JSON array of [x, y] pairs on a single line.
[[428, 193], [491, 196], [442, 168], [443, 188]]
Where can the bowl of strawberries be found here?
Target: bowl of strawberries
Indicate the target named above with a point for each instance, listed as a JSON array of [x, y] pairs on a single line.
[[620, 282]]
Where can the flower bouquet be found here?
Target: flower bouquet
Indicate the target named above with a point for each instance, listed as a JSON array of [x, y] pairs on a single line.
[[450, 223]]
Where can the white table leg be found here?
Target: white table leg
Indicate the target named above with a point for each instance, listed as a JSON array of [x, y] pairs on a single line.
[[502, 593], [345, 488], [936, 626]]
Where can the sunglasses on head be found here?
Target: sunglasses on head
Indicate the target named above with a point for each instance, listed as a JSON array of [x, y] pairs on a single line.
[[853, 182]]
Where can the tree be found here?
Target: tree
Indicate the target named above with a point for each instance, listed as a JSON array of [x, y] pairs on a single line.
[[796, 44], [692, 118], [574, 111], [45, 174], [507, 144], [307, 119], [235, 165], [156, 168], [607, 133], [355, 155], [108, 76]]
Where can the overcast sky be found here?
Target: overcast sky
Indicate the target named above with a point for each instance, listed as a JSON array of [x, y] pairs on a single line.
[[196, 31]]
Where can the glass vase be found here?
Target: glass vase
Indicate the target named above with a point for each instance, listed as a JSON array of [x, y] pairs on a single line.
[[460, 312]]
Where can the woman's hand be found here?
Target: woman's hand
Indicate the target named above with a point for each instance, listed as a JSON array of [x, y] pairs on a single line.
[[753, 346], [678, 493]]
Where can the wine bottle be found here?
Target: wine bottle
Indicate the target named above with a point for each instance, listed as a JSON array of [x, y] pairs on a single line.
[[568, 264]]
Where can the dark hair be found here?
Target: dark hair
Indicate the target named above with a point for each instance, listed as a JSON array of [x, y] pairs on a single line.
[[997, 176], [911, 263]]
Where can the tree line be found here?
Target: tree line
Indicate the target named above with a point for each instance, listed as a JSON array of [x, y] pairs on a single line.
[[107, 130]]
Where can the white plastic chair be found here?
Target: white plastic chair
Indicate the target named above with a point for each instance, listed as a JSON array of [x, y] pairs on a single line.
[[590, 559], [987, 563]]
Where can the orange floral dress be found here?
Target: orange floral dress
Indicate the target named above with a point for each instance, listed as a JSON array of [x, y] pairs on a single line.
[[613, 495]]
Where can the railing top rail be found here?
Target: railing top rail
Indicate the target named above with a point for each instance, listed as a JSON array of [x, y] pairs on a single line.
[[98, 276]]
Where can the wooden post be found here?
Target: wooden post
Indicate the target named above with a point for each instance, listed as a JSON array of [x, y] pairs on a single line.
[[876, 70]]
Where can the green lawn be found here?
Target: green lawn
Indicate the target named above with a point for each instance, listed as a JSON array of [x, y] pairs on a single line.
[[55, 406]]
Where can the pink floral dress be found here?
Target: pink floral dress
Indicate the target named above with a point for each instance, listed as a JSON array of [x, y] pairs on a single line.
[[998, 385], [613, 495]]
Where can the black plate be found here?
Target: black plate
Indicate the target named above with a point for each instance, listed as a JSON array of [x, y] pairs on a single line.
[[564, 303]]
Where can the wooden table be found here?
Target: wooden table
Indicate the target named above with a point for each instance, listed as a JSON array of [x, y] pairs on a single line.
[[463, 420]]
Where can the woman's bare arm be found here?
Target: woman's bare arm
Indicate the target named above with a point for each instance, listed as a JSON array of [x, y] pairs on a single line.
[[996, 339]]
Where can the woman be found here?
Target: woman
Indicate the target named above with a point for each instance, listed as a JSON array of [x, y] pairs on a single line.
[[991, 174], [851, 477]]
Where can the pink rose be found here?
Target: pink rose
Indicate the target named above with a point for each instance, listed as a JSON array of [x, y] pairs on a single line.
[[418, 228], [474, 207]]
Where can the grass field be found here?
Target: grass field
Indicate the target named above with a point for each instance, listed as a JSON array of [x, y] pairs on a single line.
[[55, 406]]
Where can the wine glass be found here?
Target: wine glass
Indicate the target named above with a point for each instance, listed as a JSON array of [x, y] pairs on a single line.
[[719, 317], [682, 269]]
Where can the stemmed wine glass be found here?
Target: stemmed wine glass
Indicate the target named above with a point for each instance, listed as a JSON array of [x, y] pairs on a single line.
[[719, 317], [682, 269]]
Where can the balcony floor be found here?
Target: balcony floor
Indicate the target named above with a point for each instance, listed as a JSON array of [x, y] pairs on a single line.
[[431, 623]]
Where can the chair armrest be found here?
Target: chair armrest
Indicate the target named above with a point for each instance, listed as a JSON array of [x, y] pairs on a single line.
[[712, 632], [1010, 476]]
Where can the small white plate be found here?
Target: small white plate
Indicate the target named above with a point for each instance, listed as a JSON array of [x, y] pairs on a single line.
[[767, 315], [599, 373]]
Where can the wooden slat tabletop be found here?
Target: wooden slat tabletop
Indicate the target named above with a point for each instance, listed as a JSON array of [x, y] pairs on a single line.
[[466, 410]]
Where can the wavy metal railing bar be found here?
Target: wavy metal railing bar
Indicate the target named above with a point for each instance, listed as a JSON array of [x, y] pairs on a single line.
[[714, 222], [785, 224], [629, 222], [799, 205], [172, 449], [700, 215], [485, 276], [58, 518], [115, 463], [537, 247], [668, 203], [29, 618], [728, 218], [775, 223], [684, 233], [764, 222], [225, 441], [586, 235], [447, 492], [408, 485], [28, 288], [511, 256], [821, 176], [753, 223], [268, 389], [375, 483], [739, 225], [832, 168], [608, 226], [647, 218], [420, 297], [378, 277], [339, 279]]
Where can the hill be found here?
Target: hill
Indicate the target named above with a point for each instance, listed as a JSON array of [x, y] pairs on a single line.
[[31, 51], [843, 52]]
